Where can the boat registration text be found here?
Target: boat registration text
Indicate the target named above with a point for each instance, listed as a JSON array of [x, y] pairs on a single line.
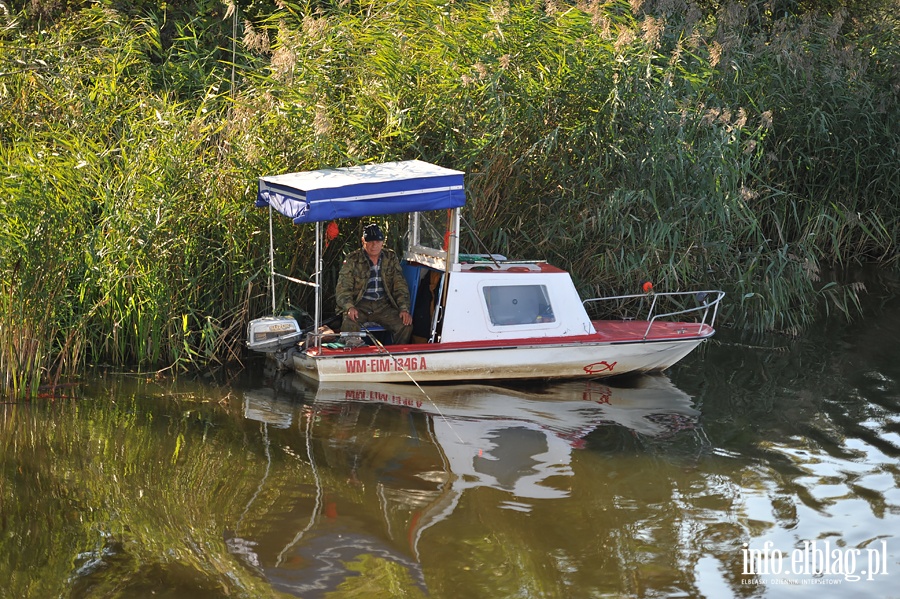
[[411, 363]]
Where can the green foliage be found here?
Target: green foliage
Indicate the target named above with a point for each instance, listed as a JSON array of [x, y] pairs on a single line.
[[108, 203], [698, 146]]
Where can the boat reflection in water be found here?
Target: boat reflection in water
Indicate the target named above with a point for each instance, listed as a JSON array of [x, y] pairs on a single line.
[[382, 464]]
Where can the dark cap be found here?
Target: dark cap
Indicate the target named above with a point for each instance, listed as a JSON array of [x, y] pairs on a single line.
[[372, 232]]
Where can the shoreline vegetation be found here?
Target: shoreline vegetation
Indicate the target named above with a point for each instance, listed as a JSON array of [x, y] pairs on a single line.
[[753, 147]]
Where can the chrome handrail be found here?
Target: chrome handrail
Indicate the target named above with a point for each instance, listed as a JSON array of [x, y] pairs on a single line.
[[702, 296]]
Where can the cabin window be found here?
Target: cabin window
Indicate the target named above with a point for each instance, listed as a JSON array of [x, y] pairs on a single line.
[[518, 304]]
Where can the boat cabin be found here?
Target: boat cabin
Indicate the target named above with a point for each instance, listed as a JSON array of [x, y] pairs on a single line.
[[496, 300]]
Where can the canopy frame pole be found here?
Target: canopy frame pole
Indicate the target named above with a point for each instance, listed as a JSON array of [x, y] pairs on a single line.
[[413, 231], [317, 319], [271, 260], [453, 239], [451, 263]]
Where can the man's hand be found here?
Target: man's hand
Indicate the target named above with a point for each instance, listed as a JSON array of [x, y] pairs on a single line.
[[406, 317], [353, 314]]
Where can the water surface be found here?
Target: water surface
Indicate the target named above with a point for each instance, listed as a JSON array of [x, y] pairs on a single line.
[[766, 469]]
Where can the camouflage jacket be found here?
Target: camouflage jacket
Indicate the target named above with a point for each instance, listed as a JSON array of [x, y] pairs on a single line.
[[354, 275]]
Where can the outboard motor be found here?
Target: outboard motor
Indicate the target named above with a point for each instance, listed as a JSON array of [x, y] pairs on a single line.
[[273, 333]]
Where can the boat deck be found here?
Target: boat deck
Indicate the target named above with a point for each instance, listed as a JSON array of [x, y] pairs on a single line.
[[608, 332], [634, 330]]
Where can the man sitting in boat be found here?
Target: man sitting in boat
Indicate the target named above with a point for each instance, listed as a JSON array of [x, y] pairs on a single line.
[[371, 288]]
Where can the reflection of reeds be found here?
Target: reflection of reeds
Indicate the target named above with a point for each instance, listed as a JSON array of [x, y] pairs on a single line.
[[124, 488], [617, 141]]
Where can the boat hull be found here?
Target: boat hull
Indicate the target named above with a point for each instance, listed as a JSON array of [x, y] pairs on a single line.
[[433, 363]]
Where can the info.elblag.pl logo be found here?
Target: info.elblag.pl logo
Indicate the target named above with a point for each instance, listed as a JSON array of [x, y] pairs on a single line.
[[811, 562]]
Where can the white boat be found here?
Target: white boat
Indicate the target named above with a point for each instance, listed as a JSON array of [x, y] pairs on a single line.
[[480, 315]]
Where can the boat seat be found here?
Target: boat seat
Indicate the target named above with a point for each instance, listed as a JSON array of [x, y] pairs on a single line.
[[379, 332]]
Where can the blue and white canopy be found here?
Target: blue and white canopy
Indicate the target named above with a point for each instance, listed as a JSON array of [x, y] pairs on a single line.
[[367, 190]]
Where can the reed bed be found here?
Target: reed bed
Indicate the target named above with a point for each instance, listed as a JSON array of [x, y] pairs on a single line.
[[624, 141]]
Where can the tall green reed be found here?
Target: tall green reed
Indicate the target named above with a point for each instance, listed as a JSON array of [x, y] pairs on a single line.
[[116, 198], [622, 140]]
